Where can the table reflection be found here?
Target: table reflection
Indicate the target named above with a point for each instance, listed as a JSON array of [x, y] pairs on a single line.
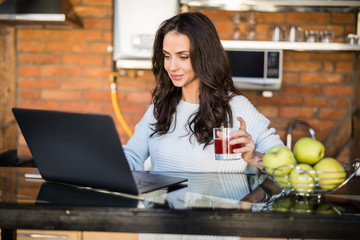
[[202, 190], [303, 204], [60, 194], [212, 190]]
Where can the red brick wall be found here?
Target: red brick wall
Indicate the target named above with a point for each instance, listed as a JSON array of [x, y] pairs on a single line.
[[69, 70]]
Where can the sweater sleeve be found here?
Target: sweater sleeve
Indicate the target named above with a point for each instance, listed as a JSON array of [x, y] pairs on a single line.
[[137, 148], [257, 125]]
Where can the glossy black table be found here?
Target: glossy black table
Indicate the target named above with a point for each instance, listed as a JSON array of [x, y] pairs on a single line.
[[207, 204]]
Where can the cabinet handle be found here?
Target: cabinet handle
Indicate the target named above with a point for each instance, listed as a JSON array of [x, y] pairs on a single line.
[[36, 235]]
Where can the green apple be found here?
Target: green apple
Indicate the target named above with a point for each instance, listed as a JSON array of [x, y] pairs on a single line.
[[302, 207], [283, 204], [308, 150], [277, 160], [325, 208], [330, 172], [303, 178], [283, 181]]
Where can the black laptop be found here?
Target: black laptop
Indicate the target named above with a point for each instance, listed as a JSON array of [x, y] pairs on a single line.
[[85, 150]]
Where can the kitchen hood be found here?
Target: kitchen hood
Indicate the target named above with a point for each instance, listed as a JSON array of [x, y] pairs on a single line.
[[38, 14], [276, 5]]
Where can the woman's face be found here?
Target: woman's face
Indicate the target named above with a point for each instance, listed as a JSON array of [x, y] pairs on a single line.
[[177, 63]]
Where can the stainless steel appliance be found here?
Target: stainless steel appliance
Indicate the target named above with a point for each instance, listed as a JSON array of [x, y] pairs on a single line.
[[256, 69]]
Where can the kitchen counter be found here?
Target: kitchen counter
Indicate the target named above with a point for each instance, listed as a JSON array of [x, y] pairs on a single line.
[[208, 203]]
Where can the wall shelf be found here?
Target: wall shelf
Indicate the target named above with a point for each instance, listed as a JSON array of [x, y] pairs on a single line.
[[295, 46], [270, 45], [276, 6]]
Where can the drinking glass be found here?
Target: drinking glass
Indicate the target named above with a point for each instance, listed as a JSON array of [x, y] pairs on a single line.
[[327, 36], [222, 147], [312, 36]]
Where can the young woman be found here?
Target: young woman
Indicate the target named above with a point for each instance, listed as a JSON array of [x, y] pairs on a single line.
[[194, 93]]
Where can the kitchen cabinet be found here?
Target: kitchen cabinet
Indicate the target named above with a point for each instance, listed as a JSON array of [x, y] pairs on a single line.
[[25, 234], [109, 236], [48, 235]]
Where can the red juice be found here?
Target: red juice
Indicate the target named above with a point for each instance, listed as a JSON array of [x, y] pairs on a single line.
[[222, 146]]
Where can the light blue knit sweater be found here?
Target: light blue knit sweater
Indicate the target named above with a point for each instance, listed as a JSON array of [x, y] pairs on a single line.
[[174, 152]]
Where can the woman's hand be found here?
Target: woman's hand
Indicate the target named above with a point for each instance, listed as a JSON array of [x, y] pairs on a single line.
[[247, 150]]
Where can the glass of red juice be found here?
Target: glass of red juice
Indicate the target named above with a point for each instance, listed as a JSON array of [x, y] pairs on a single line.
[[223, 149]]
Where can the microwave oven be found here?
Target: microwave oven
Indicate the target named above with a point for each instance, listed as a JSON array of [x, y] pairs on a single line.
[[256, 69]]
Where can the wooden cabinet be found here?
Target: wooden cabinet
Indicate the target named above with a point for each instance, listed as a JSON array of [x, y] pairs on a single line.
[[48, 235], [109, 236], [25, 234]]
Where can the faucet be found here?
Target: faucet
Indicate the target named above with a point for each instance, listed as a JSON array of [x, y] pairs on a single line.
[[293, 126]]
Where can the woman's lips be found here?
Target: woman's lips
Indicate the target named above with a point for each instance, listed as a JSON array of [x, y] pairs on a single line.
[[176, 76]]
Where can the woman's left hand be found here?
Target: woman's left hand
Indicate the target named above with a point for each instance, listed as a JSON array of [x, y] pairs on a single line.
[[247, 150]]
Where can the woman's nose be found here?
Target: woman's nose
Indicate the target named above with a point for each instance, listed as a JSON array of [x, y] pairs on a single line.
[[173, 64]]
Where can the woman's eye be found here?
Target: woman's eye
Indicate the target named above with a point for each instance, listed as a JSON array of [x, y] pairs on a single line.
[[184, 57], [166, 56]]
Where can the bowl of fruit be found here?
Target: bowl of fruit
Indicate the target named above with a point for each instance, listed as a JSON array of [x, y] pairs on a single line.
[[305, 170]]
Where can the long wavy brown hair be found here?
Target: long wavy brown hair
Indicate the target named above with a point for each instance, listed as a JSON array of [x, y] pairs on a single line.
[[211, 65]]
